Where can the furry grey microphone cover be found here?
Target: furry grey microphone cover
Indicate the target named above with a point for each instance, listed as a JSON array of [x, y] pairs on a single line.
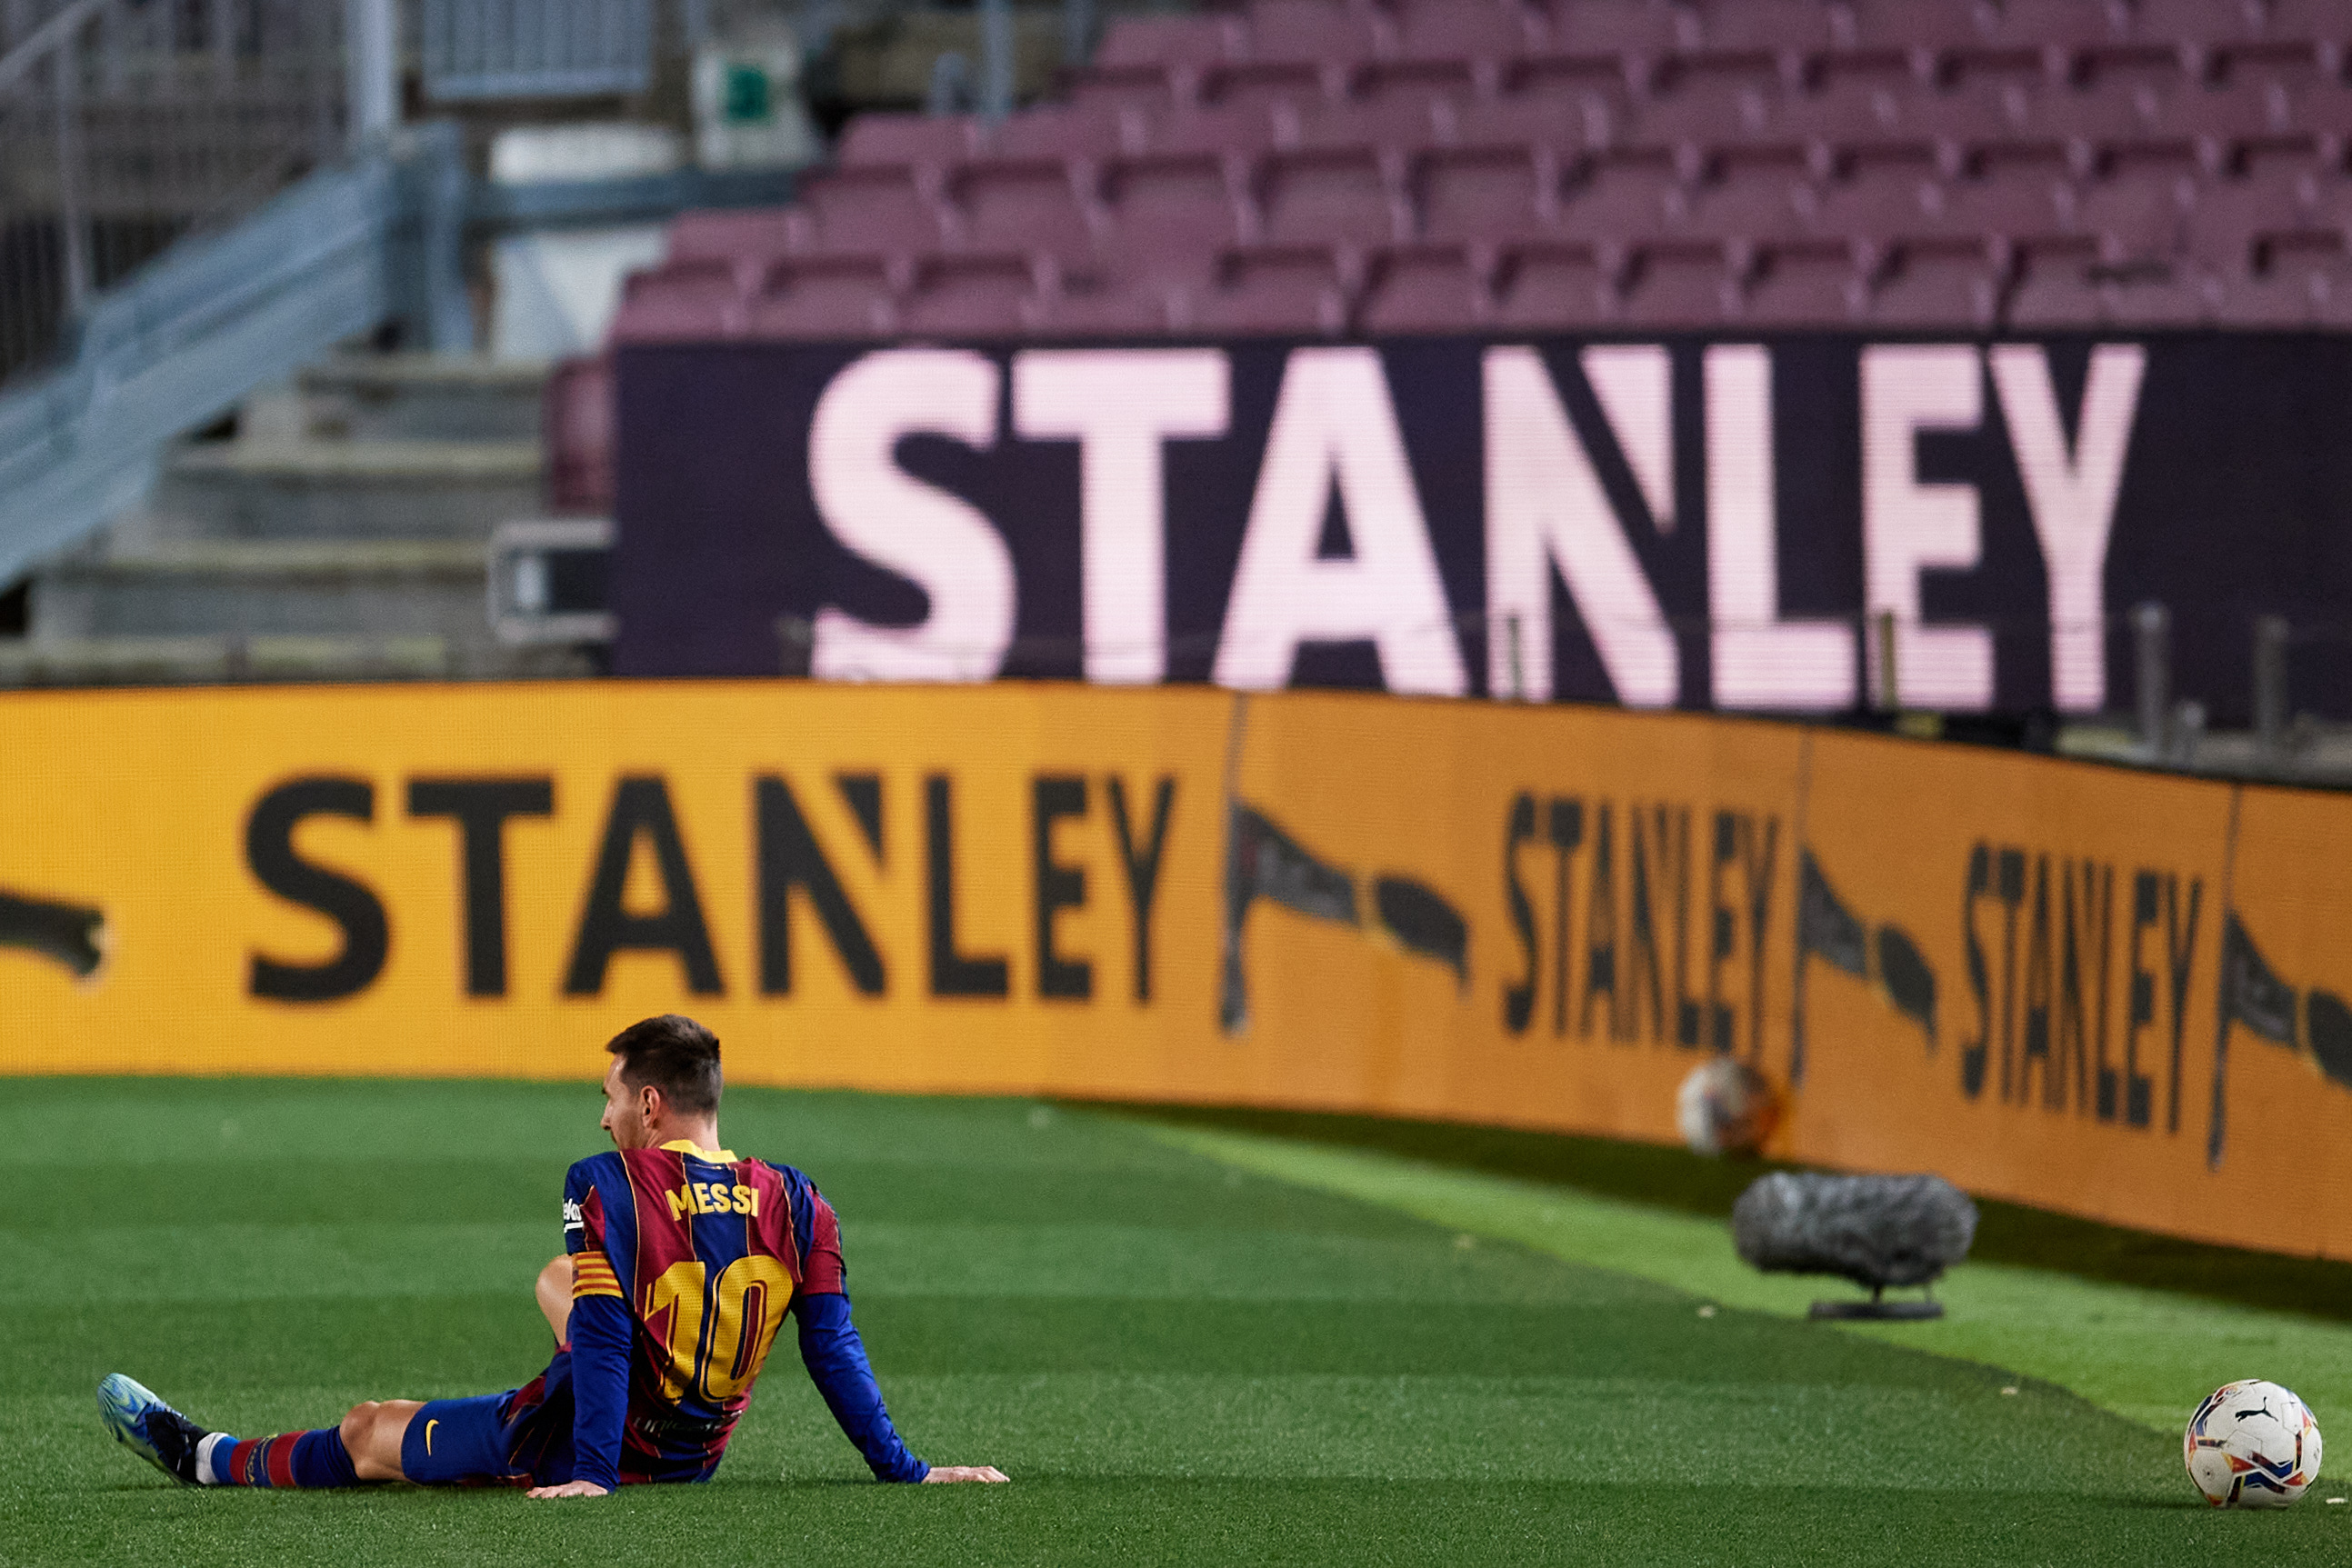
[[1876, 1230]]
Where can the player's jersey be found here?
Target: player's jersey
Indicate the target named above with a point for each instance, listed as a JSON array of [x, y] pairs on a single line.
[[706, 1251]]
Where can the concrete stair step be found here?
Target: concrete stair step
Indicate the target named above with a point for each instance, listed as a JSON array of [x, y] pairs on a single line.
[[286, 487], [221, 660], [373, 588], [424, 397]]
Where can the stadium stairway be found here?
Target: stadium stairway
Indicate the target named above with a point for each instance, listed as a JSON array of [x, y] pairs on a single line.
[[334, 529]]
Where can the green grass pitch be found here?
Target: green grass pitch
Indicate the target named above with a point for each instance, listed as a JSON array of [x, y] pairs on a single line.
[[1186, 1346]]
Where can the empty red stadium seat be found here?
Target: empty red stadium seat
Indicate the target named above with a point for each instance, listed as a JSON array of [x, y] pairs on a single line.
[[1430, 288], [1477, 29], [1321, 195], [1212, 131], [981, 296], [906, 139], [1025, 204], [680, 301], [1930, 286], [1099, 307], [1623, 200], [829, 297], [1755, 195], [1168, 213], [1153, 43], [1808, 286], [877, 208], [732, 233], [1067, 132], [1492, 193], [577, 411], [1300, 291], [1316, 31], [1688, 283], [1557, 287]]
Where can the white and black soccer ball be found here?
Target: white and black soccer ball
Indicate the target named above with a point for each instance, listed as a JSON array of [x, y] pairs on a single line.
[[1725, 1107], [2252, 1445]]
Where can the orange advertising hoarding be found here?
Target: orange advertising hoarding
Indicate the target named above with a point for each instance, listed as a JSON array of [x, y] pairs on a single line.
[[2099, 991]]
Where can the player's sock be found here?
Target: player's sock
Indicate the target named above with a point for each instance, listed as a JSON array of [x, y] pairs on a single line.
[[289, 1460]]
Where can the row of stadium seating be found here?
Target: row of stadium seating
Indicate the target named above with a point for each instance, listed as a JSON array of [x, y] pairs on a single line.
[[1704, 191]]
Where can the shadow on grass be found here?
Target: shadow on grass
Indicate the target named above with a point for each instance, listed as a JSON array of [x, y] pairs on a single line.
[[1677, 1178]]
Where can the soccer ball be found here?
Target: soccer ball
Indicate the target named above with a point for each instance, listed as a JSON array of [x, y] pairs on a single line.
[[2252, 1445], [1725, 1107]]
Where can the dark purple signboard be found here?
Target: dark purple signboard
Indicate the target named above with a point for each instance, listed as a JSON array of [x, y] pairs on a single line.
[[1701, 524]]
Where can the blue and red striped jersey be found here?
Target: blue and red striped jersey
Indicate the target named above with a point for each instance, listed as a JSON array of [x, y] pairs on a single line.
[[705, 1252]]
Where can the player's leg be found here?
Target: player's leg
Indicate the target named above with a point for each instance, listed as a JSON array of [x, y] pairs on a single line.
[[372, 1433], [196, 1456], [555, 1291]]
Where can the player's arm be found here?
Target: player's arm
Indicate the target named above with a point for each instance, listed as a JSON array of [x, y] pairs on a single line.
[[836, 1358], [600, 1332]]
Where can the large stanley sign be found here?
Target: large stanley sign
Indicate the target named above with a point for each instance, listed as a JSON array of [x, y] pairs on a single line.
[[1702, 525], [2120, 995]]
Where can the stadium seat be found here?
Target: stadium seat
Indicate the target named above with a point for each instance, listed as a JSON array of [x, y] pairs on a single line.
[[1152, 44], [1932, 287], [878, 208], [1569, 123], [1688, 284], [1759, 199], [1621, 27], [1430, 288], [1067, 131], [1402, 120], [1095, 307], [1561, 288], [1277, 86], [1213, 131], [1168, 213], [683, 302], [1315, 31], [1481, 29], [1029, 205], [1298, 290], [577, 413], [1336, 194], [829, 296], [1810, 286], [1495, 192], [2138, 217], [977, 296], [906, 139], [1624, 200], [726, 233]]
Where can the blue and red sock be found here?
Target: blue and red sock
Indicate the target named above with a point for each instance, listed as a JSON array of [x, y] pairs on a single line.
[[289, 1460]]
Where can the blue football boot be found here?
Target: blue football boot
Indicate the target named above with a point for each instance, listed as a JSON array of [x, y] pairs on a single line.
[[151, 1429]]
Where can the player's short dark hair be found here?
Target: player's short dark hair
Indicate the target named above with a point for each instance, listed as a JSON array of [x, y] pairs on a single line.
[[676, 1056]]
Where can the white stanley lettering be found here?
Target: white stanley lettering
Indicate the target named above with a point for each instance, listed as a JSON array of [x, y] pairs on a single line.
[[1908, 526], [1335, 430], [1120, 406], [1760, 660], [940, 542], [1545, 506], [2072, 497], [1634, 385]]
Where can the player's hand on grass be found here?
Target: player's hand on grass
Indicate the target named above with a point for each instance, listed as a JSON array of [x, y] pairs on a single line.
[[569, 1488], [948, 1474]]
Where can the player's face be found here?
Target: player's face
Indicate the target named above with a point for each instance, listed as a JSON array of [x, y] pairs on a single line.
[[624, 1112]]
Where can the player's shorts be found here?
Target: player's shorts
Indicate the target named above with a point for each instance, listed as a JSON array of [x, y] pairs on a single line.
[[488, 1440]]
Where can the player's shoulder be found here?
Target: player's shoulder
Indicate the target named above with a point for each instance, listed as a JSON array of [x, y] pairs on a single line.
[[791, 1176], [601, 1168]]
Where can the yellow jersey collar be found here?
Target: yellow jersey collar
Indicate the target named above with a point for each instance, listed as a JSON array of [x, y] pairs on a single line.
[[687, 1146]]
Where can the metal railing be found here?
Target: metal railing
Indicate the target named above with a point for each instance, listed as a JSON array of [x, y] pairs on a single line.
[[534, 48], [125, 124]]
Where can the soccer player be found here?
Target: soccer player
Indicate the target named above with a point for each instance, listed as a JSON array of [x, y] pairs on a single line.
[[680, 1261]]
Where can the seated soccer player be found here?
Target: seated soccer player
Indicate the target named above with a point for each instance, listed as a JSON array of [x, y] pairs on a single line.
[[680, 1261]]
